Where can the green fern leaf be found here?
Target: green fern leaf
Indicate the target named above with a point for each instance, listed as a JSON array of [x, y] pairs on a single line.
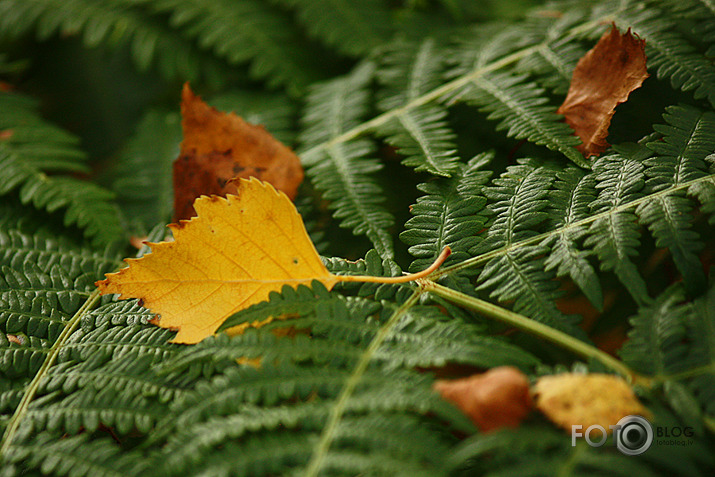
[[243, 31], [353, 28], [112, 22], [342, 169], [680, 158], [76, 456], [556, 55], [372, 265], [700, 328], [671, 337], [574, 191], [655, 345], [421, 134], [451, 214], [672, 55], [30, 156], [520, 202], [615, 237], [524, 112], [143, 174]]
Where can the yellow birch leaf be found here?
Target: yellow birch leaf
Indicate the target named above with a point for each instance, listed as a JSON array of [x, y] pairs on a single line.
[[238, 250]]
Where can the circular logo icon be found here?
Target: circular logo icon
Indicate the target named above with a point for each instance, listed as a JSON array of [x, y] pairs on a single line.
[[634, 435]]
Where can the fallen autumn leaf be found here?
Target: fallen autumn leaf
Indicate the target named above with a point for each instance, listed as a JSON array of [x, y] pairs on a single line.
[[219, 147], [603, 79], [586, 399], [498, 398]]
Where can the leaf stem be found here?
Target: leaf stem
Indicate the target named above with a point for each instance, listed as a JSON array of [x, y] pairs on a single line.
[[533, 327], [29, 395], [410, 277], [336, 413]]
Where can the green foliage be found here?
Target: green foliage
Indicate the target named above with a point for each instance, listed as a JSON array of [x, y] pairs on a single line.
[[33, 152], [385, 101]]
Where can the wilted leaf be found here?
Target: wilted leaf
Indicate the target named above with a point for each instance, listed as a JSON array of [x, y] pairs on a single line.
[[498, 398], [238, 250], [586, 399], [218, 147], [602, 80]]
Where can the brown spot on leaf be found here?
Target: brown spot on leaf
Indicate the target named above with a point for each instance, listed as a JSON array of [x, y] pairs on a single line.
[[603, 78], [14, 339], [219, 147]]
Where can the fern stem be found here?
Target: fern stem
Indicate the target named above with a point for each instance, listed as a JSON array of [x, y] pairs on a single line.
[[336, 413], [29, 395], [533, 327], [689, 373], [410, 277], [474, 261]]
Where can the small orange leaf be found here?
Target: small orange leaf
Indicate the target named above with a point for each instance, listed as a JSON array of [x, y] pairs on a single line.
[[602, 80], [219, 147], [498, 398], [586, 399], [237, 251]]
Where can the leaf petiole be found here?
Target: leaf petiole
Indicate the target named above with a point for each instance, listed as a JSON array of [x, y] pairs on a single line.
[[410, 277]]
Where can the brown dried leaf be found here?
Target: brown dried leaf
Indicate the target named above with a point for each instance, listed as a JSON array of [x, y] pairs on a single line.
[[219, 147], [498, 398], [586, 399], [602, 80]]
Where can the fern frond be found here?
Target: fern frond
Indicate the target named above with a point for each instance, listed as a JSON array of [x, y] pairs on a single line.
[[34, 310], [143, 180], [655, 345], [615, 237], [277, 400], [421, 134], [523, 110], [353, 28], [76, 456], [574, 191], [700, 328], [30, 156], [115, 23], [702, 13], [341, 169], [556, 55], [246, 31], [671, 54], [673, 340], [507, 452], [21, 359], [451, 214], [520, 198], [687, 140]]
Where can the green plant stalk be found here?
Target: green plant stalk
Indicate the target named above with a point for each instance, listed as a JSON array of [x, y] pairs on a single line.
[[29, 394], [533, 327], [336, 413]]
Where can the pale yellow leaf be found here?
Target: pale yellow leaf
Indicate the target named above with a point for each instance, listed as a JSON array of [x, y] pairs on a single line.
[[586, 399]]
